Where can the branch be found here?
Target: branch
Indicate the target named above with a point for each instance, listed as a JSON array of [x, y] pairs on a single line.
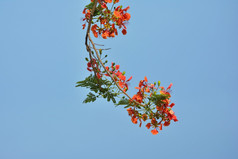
[[95, 49], [110, 73], [90, 22]]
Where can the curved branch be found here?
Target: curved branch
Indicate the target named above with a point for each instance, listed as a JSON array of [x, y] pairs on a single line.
[[95, 49], [90, 22], [110, 73]]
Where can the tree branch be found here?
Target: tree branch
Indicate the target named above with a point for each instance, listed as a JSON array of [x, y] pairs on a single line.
[[99, 59]]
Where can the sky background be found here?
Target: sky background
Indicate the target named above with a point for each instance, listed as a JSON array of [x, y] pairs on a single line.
[[190, 43]]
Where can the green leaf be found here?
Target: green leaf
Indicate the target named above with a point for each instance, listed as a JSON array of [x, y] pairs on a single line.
[[123, 101], [89, 6], [90, 98]]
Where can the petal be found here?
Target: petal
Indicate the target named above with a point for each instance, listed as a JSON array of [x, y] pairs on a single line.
[[129, 79], [124, 31], [145, 79], [170, 86]]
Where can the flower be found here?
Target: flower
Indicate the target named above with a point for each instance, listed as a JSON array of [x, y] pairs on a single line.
[[154, 132], [124, 31], [148, 125], [108, 1], [134, 119]]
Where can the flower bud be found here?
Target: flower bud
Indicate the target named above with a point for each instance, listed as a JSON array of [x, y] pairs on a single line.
[[158, 83]]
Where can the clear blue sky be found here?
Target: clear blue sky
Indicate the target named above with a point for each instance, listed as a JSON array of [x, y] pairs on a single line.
[[190, 43]]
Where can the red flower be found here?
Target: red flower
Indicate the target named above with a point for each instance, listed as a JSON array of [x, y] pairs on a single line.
[[127, 16], [117, 14], [134, 119], [121, 84], [126, 8], [117, 67], [104, 5], [124, 31], [84, 11], [153, 121], [174, 118], [154, 132], [84, 25], [148, 125], [171, 105], [166, 123], [160, 127]]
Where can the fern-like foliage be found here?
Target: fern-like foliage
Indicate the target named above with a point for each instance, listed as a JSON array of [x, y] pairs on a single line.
[[101, 87]]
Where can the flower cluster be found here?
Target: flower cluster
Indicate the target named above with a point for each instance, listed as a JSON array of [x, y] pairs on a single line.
[[105, 20], [118, 76], [163, 113]]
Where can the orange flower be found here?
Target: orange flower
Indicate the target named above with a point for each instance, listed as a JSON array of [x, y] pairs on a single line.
[[154, 132], [117, 14], [127, 16], [117, 67], [93, 29], [130, 111], [105, 34], [159, 108], [134, 119], [144, 117], [121, 84], [138, 97], [108, 1], [147, 90]]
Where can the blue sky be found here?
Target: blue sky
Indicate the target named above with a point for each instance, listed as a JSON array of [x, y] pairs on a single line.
[[192, 44]]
